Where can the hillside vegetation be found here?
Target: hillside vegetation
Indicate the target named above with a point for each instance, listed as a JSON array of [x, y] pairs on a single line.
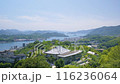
[[110, 31], [110, 43], [10, 35]]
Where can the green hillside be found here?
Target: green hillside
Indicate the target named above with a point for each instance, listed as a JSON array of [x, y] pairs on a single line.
[[110, 58], [110, 31], [10, 35], [110, 43]]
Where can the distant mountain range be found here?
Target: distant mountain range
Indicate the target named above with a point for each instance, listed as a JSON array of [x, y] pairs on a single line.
[[105, 30], [109, 31], [12, 34], [17, 32], [81, 32]]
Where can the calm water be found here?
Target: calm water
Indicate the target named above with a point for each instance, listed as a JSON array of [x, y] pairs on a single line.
[[62, 38], [8, 45], [57, 38]]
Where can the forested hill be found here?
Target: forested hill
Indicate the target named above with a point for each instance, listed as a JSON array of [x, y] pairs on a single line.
[[110, 43], [81, 32], [110, 31], [10, 35], [17, 32]]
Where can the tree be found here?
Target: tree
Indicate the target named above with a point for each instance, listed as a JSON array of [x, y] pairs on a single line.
[[55, 42], [51, 59], [36, 42], [112, 58], [5, 65], [66, 43], [71, 66], [59, 63], [37, 62]]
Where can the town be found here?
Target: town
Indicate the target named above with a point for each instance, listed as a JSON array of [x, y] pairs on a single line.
[[69, 51]]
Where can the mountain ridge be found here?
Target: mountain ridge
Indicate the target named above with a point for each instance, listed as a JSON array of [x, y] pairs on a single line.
[[105, 30]]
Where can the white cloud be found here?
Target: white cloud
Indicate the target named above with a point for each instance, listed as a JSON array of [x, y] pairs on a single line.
[[54, 22], [33, 18]]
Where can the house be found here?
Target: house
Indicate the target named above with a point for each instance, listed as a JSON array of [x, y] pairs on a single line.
[[93, 46], [89, 46], [100, 50], [90, 52], [9, 57], [67, 55]]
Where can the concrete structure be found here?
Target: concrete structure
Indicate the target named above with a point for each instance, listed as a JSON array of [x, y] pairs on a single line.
[[100, 50], [93, 46], [24, 44], [67, 55], [90, 52], [57, 50], [89, 46]]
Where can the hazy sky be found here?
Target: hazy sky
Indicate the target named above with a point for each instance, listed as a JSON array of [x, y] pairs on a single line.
[[62, 15]]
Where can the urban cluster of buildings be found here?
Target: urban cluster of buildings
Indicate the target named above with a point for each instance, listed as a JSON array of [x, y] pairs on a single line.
[[58, 52], [9, 57]]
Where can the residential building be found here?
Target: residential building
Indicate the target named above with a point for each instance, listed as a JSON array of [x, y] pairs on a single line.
[[9, 57], [90, 52]]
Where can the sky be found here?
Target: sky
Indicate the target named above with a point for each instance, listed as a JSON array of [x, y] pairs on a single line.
[[60, 15]]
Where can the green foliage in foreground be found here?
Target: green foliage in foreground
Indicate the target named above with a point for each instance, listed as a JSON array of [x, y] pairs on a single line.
[[37, 62], [71, 66], [111, 58], [59, 63], [5, 65]]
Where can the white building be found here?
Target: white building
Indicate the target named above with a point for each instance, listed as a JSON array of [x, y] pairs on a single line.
[[90, 52], [65, 54]]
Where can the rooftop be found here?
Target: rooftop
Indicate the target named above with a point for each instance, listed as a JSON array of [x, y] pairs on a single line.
[[67, 54], [58, 50], [10, 54], [62, 52], [90, 52]]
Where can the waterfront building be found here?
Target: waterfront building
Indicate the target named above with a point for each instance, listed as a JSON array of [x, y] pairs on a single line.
[[24, 45]]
